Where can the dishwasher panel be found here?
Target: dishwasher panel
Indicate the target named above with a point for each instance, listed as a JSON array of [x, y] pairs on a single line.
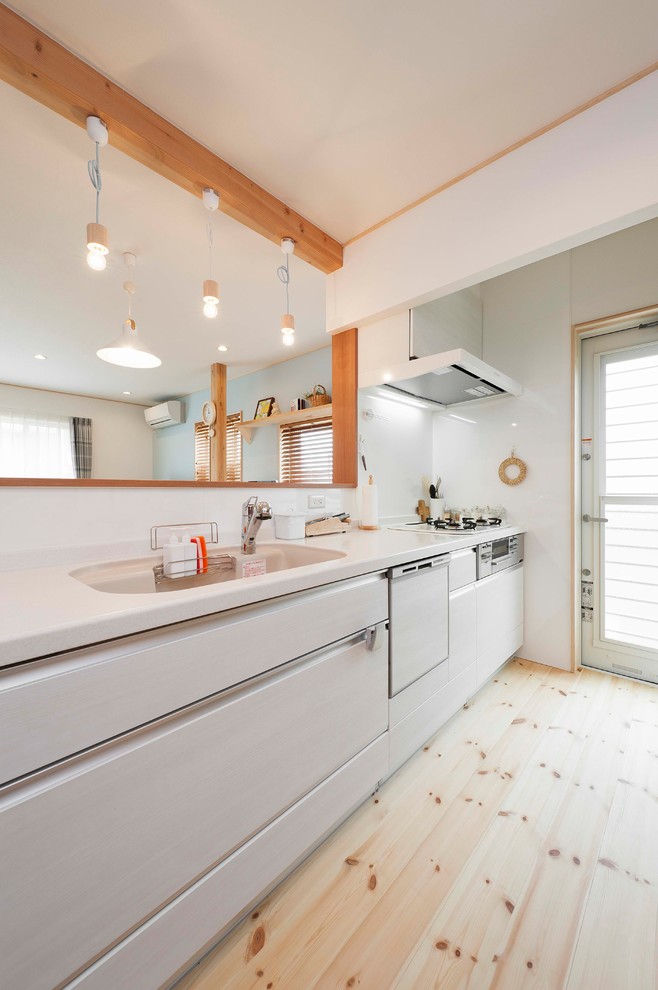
[[418, 620]]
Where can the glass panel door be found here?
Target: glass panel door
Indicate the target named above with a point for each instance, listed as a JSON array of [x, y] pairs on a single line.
[[620, 502]]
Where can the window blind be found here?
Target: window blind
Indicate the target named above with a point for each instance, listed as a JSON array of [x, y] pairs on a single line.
[[233, 447], [233, 450], [201, 452], [306, 452]]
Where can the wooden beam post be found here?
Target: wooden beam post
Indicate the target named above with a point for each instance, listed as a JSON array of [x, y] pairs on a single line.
[[218, 442], [51, 74], [344, 400]]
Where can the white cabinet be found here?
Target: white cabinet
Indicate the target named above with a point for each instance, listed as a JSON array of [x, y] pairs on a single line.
[[485, 629], [418, 609], [442, 698], [104, 851], [58, 706], [462, 568], [462, 630], [499, 613]]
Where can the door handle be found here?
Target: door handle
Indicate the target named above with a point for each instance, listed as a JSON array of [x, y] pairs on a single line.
[[588, 518], [371, 638]]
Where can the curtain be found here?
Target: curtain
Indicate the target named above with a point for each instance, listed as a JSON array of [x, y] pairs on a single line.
[[34, 445], [81, 446]]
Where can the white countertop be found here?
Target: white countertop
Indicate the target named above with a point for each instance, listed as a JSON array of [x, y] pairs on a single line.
[[45, 611]]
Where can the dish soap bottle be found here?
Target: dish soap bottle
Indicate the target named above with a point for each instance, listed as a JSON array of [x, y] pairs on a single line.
[[173, 557]]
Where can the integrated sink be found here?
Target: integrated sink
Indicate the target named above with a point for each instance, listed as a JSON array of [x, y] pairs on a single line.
[[136, 576]]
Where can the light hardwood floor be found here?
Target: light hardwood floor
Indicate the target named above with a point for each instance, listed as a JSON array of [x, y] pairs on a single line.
[[518, 849]]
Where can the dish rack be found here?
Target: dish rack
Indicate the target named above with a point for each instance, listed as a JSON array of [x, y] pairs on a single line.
[[214, 564], [178, 570], [196, 528]]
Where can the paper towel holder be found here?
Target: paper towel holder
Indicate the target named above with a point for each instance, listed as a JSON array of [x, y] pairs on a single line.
[[372, 516]]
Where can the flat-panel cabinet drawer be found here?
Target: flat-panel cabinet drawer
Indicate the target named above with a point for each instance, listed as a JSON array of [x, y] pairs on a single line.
[[462, 568], [54, 708], [499, 601], [95, 846], [462, 630]]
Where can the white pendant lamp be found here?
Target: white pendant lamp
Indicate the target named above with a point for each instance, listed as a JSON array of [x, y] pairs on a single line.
[[129, 350], [97, 248], [210, 286], [283, 271]]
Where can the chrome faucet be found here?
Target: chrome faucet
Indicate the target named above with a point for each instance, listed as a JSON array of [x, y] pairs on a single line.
[[253, 514]]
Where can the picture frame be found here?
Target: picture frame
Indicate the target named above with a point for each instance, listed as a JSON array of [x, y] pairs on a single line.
[[264, 408]]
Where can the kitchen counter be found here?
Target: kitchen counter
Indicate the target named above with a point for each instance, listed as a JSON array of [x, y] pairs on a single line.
[[44, 611]]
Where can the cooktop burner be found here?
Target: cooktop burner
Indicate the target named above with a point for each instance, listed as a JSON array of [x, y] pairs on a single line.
[[440, 527]]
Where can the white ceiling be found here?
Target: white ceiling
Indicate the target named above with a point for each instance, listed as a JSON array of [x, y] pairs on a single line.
[[52, 303], [350, 110]]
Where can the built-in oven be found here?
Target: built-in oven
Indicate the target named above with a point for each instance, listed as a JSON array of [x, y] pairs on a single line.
[[497, 555]]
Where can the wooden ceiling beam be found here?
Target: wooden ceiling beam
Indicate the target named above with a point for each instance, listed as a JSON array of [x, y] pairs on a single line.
[[43, 69]]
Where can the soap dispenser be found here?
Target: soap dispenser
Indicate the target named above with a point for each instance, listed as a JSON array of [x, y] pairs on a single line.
[[173, 557]]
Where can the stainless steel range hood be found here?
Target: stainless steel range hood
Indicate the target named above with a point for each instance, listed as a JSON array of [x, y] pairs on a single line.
[[436, 371], [445, 379]]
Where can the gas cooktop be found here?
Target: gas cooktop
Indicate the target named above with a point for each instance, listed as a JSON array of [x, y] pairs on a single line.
[[468, 527]]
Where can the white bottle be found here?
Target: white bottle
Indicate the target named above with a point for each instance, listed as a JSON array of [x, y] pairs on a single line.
[[173, 558], [190, 555]]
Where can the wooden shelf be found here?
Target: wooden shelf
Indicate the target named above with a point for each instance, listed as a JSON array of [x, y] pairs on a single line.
[[280, 419]]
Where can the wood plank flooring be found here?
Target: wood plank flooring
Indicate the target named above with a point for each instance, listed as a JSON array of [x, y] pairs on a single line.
[[518, 849]]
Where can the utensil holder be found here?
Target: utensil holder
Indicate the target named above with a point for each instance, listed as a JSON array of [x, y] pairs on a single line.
[[437, 506]]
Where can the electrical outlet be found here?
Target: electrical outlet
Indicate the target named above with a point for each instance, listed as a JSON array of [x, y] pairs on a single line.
[[317, 501]]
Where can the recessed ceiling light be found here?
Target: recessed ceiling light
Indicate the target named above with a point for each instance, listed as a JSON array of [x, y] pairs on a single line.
[[40, 357], [222, 347], [126, 393]]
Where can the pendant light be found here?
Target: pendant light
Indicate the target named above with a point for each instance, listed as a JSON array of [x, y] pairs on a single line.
[[283, 271], [97, 248], [210, 287], [129, 350]]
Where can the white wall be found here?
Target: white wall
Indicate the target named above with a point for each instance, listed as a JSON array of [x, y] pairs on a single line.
[[122, 442], [44, 527], [285, 381], [174, 446], [398, 451], [527, 334], [592, 175]]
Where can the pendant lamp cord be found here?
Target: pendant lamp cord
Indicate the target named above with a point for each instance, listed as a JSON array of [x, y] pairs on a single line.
[[94, 169], [283, 271], [210, 244]]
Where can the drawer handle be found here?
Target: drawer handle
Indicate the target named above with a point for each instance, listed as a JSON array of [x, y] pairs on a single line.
[[371, 638]]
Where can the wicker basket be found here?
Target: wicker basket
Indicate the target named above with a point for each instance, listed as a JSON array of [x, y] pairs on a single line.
[[319, 397]]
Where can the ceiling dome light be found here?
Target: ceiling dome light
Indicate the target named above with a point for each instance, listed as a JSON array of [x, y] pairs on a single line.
[[97, 241], [222, 347], [210, 286], [283, 271], [128, 350]]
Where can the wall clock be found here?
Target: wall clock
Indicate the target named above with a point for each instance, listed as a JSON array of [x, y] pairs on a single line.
[[209, 415]]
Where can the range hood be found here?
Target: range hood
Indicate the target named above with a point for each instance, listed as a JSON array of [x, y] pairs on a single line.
[[445, 379]]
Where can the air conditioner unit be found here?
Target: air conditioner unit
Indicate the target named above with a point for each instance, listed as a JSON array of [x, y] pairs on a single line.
[[166, 414]]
